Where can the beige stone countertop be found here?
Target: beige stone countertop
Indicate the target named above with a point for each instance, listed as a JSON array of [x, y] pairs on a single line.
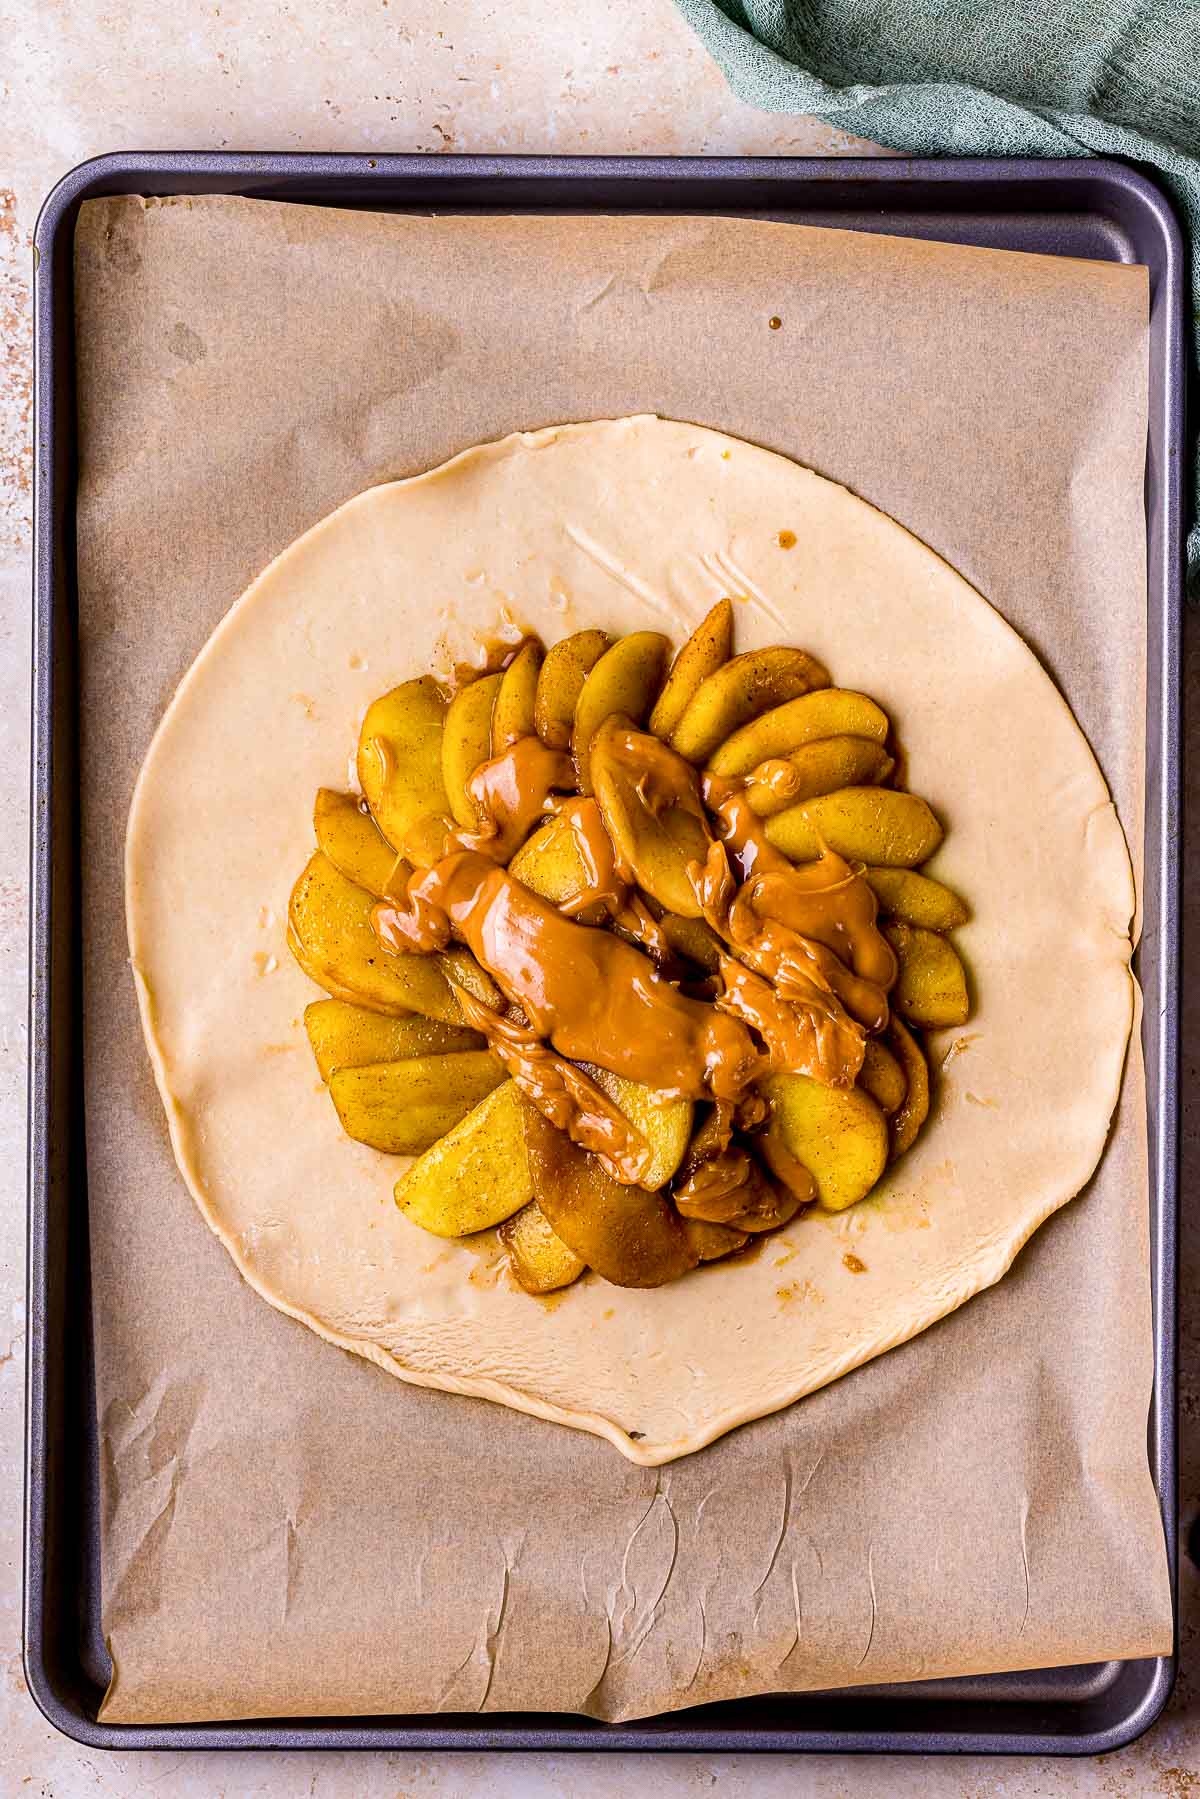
[[624, 76]]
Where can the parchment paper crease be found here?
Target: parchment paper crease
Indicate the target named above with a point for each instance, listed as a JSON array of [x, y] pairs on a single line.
[[287, 1531]]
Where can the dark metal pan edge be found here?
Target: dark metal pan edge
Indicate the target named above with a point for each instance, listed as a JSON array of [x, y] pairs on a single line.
[[1115, 188]]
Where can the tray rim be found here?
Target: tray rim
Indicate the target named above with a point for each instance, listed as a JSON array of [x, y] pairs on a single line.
[[128, 172]]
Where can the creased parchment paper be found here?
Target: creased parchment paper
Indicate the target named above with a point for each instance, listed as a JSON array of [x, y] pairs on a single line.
[[287, 1531]]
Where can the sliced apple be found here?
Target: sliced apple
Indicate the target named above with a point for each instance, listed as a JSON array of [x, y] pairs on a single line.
[[539, 1259], [475, 1176], [906, 1123], [513, 717], [403, 1107], [820, 767], [330, 934], [657, 843], [739, 690], [864, 824], [882, 1077], [839, 1134], [625, 681], [549, 863], [709, 1242], [692, 938], [917, 899], [343, 1035], [630, 1236], [460, 966], [931, 989], [466, 743], [702, 655], [826, 712], [665, 1123], [351, 839], [400, 767], [567, 666]]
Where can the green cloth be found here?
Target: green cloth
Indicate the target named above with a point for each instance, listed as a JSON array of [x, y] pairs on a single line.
[[986, 78]]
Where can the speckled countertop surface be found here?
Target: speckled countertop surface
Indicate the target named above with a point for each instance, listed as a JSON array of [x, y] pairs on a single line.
[[522, 75]]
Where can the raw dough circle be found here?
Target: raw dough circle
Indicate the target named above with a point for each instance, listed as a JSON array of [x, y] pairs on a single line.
[[633, 523]]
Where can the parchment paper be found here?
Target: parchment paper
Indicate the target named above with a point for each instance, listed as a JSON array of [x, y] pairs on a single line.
[[286, 1530]]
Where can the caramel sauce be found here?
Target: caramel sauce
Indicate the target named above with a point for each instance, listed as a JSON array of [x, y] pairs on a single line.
[[756, 917], [816, 1039], [492, 653], [563, 1093], [792, 990], [732, 1189], [739, 827], [607, 881], [786, 1167], [663, 780], [722, 1183], [637, 924], [511, 792], [805, 972], [780, 778], [828, 900], [712, 1190], [594, 997], [751, 1112], [801, 966]]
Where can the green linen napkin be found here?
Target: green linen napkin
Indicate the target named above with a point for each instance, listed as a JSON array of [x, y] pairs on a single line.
[[986, 78]]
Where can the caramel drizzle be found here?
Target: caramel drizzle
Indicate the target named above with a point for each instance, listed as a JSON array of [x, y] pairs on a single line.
[[800, 1039], [722, 1183], [802, 970], [828, 900], [593, 996], [664, 780], [780, 778], [511, 792], [807, 969], [608, 891], [638, 925], [607, 881], [562, 1093], [714, 1189]]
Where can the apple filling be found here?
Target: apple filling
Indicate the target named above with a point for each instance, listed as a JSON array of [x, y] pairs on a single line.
[[632, 954]]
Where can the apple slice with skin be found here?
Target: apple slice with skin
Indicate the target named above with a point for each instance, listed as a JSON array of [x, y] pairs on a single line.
[[354, 844], [838, 1133], [864, 824], [826, 712], [399, 766], [540, 1261], [630, 1236], [343, 1035], [753, 682], [917, 899], [467, 741], [931, 989], [476, 1176], [702, 655], [330, 935], [625, 681], [401, 1108], [513, 717], [560, 682]]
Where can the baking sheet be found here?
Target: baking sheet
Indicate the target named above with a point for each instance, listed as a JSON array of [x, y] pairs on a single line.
[[288, 1532]]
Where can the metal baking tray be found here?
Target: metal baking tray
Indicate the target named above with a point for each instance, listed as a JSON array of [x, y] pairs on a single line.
[[1094, 209]]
